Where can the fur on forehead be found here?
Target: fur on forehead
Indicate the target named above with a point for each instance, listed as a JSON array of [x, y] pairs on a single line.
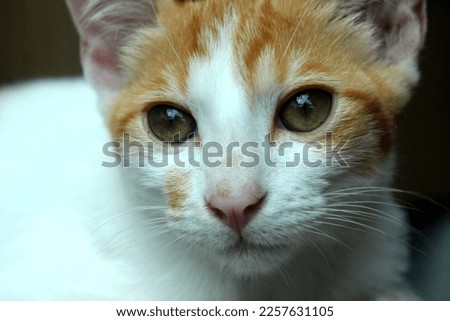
[[148, 44], [394, 31], [182, 25]]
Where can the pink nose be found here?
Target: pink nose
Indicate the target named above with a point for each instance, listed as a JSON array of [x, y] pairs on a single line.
[[235, 211]]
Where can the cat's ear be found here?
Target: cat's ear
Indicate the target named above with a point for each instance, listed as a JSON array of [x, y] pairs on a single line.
[[399, 26], [104, 27]]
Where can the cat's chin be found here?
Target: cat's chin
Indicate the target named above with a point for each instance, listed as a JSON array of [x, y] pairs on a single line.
[[248, 260]]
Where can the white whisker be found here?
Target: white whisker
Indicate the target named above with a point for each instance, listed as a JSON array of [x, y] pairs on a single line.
[[166, 35], [316, 231]]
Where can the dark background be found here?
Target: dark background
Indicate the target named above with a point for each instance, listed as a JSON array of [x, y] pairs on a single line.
[[37, 39]]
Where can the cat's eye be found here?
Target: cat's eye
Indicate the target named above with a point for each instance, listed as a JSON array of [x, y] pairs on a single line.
[[306, 110], [171, 124]]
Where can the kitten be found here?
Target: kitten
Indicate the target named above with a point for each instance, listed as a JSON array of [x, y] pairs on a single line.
[[275, 119]]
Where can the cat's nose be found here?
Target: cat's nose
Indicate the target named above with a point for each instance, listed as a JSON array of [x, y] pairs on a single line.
[[236, 211]]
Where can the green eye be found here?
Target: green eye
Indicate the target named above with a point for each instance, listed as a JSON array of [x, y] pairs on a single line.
[[306, 110], [171, 124]]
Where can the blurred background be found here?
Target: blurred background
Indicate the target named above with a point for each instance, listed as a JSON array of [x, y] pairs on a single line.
[[37, 40]]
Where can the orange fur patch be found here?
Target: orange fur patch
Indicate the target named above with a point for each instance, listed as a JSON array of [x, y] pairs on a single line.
[[308, 41], [177, 184]]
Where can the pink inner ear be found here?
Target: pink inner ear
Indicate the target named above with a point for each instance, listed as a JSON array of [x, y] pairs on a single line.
[[101, 66], [104, 26], [401, 26]]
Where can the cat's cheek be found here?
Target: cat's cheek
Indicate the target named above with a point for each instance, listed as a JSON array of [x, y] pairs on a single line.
[[177, 185]]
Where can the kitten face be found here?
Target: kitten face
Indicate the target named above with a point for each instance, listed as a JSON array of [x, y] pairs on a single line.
[[233, 68]]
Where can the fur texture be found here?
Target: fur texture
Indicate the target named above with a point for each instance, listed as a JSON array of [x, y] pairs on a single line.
[[327, 232]]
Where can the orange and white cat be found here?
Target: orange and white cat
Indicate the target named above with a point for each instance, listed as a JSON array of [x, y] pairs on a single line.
[[255, 83]]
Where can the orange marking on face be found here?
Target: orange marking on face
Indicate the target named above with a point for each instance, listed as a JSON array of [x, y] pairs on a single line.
[[158, 62], [312, 67], [223, 188], [255, 33], [177, 185], [304, 32], [372, 108]]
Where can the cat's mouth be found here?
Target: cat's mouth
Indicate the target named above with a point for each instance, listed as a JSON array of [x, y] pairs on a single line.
[[243, 247], [248, 259]]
